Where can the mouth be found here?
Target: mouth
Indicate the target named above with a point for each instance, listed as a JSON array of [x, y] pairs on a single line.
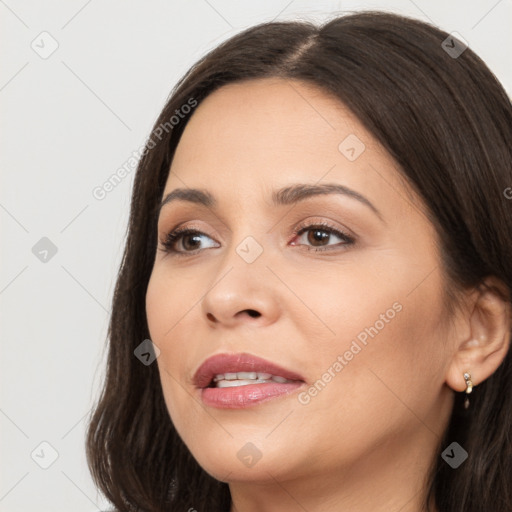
[[234, 381]]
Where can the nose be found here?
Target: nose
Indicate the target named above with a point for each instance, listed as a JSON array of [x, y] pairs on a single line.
[[242, 293], [250, 312]]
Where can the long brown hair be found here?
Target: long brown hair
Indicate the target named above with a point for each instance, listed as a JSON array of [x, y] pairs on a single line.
[[447, 121]]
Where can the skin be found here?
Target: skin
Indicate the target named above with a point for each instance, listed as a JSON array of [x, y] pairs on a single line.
[[366, 440]]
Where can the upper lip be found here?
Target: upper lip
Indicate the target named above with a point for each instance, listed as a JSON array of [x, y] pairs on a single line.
[[231, 363]]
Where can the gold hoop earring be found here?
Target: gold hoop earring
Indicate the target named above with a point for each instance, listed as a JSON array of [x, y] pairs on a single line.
[[469, 388]]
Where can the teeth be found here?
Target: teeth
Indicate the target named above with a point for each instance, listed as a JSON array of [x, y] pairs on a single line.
[[234, 383], [226, 380], [247, 375]]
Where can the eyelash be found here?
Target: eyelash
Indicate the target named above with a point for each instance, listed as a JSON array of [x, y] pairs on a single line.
[[174, 236]]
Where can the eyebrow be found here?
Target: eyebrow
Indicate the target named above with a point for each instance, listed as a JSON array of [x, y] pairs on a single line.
[[284, 196]]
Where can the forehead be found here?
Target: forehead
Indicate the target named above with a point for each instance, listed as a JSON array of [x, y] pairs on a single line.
[[264, 134], [270, 116]]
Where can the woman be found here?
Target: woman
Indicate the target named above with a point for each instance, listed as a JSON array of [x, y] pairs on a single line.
[[319, 258]]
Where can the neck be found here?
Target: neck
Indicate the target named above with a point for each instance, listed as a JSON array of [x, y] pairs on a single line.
[[393, 476]]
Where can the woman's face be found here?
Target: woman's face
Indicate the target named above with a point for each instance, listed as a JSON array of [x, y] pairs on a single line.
[[352, 306]]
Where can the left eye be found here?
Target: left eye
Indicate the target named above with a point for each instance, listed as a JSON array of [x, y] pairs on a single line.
[[317, 236]]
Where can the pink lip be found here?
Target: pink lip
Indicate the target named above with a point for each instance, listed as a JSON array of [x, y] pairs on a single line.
[[243, 396]]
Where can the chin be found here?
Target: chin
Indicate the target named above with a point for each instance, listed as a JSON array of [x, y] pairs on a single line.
[[238, 458], [230, 469]]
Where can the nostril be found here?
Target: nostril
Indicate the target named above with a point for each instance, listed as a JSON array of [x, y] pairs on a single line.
[[253, 313], [210, 317]]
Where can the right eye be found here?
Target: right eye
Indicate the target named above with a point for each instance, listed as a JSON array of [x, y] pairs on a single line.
[[183, 241]]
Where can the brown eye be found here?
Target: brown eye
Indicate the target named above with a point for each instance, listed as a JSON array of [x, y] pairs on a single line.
[[183, 241], [320, 235], [191, 241]]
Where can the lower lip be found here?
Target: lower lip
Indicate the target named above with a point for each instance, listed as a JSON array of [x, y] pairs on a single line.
[[240, 397]]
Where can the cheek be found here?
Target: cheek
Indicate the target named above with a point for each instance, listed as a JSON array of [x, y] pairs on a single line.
[[379, 366], [169, 299], [367, 335], [166, 311], [170, 313], [338, 304]]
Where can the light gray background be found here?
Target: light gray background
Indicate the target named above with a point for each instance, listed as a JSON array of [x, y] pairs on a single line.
[[69, 121]]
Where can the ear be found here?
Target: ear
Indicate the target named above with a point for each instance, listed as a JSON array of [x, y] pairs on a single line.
[[486, 346]]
